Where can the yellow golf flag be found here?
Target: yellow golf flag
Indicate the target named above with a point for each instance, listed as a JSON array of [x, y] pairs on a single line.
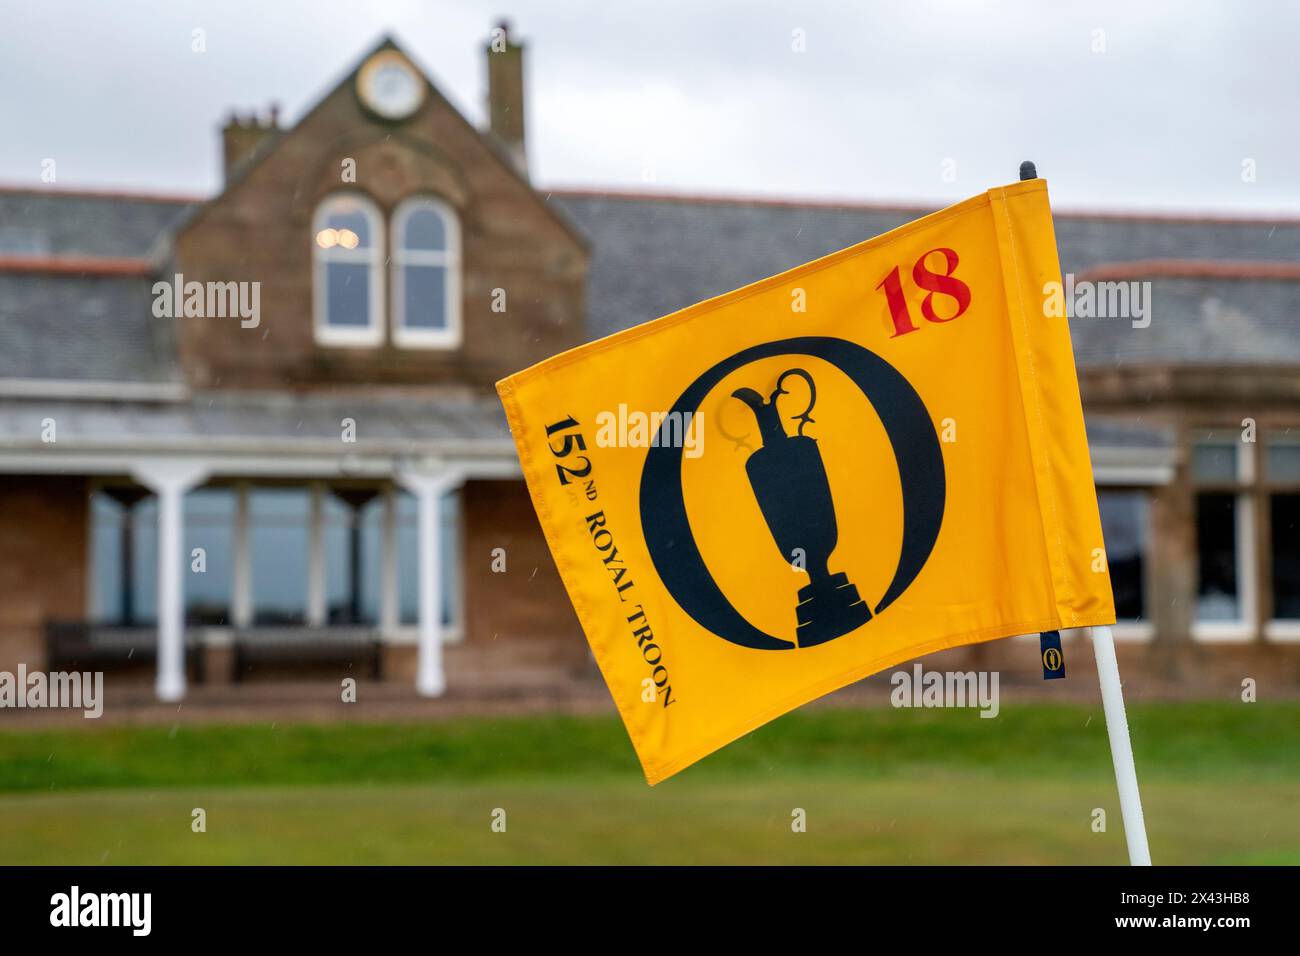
[[774, 493]]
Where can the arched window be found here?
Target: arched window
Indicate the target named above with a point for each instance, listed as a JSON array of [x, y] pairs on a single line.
[[426, 274], [348, 288]]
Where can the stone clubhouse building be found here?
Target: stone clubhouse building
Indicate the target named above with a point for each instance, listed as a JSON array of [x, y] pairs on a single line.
[[255, 434]]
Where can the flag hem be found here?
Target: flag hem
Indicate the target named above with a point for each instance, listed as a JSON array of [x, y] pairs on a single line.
[[532, 481], [1030, 399], [1050, 460]]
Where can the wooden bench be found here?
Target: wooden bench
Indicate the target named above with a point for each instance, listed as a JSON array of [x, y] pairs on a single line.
[[358, 647], [84, 645]]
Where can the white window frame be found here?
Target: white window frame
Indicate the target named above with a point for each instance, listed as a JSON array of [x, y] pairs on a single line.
[[1240, 630], [372, 333], [1285, 630], [97, 486], [450, 336], [245, 515]]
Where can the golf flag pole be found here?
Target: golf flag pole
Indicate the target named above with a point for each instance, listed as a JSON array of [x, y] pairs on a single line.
[[1112, 700], [1121, 748]]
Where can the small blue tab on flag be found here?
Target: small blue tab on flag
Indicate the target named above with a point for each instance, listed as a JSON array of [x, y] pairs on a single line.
[[1049, 647]]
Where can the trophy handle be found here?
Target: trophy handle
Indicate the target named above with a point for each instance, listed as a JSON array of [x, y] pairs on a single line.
[[804, 418]]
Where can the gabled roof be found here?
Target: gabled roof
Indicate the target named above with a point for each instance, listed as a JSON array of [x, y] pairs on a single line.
[[268, 146]]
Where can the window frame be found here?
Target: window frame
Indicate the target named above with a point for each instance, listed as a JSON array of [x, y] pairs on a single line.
[[1279, 629], [372, 333], [1243, 628], [1144, 628], [93, 572], [189, 525], [261, 617], [449, 258]]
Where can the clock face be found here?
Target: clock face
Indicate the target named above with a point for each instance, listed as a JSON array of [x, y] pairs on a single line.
[[389, 86]]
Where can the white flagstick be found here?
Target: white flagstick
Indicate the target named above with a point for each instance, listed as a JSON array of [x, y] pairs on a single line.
[[1121, 748], [1112, 700]]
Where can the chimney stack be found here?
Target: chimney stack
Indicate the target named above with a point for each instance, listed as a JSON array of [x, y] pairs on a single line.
[[506, 94], [240, 138]]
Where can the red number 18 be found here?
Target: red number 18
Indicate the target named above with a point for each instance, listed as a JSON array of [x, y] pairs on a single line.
[[943, 283]]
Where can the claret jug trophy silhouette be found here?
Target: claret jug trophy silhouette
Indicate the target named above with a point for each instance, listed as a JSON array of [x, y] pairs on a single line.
[[789, 480]]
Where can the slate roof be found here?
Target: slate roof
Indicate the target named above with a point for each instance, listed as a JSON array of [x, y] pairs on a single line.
[[650, 256], [1200, 321], [85, 224], [83, 328], [88, 327]]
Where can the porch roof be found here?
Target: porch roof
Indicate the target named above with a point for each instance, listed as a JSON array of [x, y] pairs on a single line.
[[263, 425], [293, 433]]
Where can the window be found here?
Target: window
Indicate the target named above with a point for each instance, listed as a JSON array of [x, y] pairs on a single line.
[[370, 516], [345, 582], [1285, 528], [1124, 524], [1283, 475], [124, 556], [352, 528], [210, 525], [1218, 595], [426, 274], [279, 543], [1215, 461], [1222, 469], [347, 243]]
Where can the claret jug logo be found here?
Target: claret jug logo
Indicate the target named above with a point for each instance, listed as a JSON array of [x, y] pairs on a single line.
[[785, 474], [789, 481]]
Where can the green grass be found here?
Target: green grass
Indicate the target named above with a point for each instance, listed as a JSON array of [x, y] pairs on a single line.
[[1220, 783]]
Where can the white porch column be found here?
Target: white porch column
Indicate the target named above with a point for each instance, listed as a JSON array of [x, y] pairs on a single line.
[[169, 480], [428, 488], [241, 610], [316, 597]]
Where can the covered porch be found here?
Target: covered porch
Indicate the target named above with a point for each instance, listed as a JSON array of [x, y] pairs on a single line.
[[234, 536]]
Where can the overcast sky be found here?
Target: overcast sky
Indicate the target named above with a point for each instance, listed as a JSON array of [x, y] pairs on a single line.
[[1123, 105]]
